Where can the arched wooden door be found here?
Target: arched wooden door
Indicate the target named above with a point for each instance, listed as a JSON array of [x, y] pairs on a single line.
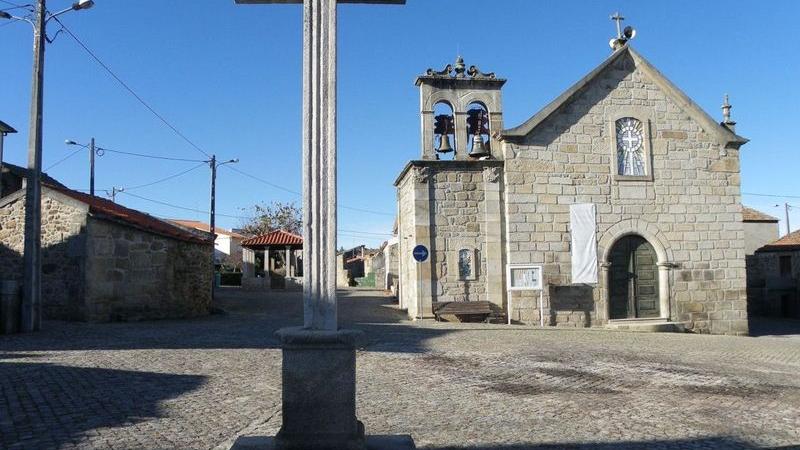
[[633, 284]]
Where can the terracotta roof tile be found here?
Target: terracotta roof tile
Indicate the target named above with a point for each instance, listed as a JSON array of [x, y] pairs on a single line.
[[787, 243], [202, 226], [278, 237], [132, 217], [754, 215]]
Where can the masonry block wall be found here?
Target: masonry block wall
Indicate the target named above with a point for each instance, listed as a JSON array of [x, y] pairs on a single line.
[[133, 275], [407, 238], [690, 210], [63, 251]]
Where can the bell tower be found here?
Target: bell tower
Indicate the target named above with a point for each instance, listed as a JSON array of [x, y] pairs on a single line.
[[462, 112]]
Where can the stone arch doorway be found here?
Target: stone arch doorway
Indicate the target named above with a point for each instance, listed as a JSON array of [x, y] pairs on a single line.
[[633, 279]]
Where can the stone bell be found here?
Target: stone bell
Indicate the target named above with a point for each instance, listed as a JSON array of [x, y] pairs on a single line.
[[478, 147], [444, 144]]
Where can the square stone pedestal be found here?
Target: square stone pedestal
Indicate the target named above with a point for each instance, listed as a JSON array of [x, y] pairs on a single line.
[[319, 397]]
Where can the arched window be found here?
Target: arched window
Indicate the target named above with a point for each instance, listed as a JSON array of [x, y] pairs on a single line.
[[478, 142], [444, 131], [466, 264], [630, 146]]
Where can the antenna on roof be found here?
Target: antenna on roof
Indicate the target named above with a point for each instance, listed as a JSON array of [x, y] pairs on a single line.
[[623, 35]]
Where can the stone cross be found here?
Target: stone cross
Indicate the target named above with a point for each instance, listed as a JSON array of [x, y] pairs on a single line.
[[319, 158]]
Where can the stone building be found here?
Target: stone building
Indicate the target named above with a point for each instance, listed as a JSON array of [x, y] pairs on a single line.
[[104, 262], [773, 278], [227, 243], [617, 204], [759, 229]]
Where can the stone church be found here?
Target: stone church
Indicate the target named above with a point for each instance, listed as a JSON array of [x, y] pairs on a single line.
[[618, 204]]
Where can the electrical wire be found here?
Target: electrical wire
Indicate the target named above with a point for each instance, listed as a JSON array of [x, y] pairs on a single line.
[[142, 155], [298, 194], [63, 159], [165, 179], [159, 202], [15, 5], [130, 90], [770, 195]]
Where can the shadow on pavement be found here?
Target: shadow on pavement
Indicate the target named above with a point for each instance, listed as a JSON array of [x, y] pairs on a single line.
[[769, 326], [249, 322], [721, 442], [89, 399]]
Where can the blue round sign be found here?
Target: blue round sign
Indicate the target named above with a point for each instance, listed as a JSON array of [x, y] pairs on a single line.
[[420, 253]]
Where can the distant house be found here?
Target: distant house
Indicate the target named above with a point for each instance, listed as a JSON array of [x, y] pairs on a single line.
[[759, 229], [273, 261], [227, 245], [773, 278], [102, 261]]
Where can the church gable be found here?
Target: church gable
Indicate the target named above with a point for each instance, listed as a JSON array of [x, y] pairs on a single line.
[[623, 81]]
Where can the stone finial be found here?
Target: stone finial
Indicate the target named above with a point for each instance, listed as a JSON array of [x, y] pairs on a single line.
[[623, 35], [726, 115], [459, 70]]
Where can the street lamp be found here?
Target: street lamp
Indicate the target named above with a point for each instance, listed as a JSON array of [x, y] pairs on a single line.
[[92, 152], [212, 226], [32, 289], [4, 130]]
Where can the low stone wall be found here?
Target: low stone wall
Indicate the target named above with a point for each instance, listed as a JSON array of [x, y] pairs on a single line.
[[136, 275]]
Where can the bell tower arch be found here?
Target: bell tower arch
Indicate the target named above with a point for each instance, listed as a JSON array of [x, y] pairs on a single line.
[[475, 100]]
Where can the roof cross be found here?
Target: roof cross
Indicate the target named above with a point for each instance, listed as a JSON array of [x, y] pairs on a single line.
[[617, 18]]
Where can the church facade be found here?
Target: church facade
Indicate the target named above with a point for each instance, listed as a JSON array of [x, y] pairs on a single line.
[[618, 203]]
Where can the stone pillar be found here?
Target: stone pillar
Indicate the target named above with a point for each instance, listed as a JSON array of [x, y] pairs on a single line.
[[248, 263], [461, 143], [663, 289], [422, 231], [603, 304], [288, 261], [494, 242]]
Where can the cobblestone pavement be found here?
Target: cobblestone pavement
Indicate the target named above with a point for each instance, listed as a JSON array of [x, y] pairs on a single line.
[[201, 383]]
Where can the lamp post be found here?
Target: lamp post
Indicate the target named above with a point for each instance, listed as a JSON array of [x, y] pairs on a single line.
[[5, 129], [32, 271], [213, 164], [92, 151]]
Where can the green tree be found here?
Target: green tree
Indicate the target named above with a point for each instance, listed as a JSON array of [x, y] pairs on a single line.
[[274, 216]]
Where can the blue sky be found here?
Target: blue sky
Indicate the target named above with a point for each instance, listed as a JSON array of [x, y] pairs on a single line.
[[229, 78]]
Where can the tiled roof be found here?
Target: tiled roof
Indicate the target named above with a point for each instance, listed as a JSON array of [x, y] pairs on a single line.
[[278, 237], [198, 225], [132, 217], [753, 215], [789, 242]]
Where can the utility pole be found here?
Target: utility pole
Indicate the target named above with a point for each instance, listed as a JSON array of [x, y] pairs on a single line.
[[788, 227], [32, 272], [212, 226], [91, 167], [114, 191]]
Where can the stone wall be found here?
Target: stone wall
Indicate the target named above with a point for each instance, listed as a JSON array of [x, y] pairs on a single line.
[[458, 222], [691, 208], [758, 234], [63, 250], [135, 275], [407, 238], [768, 292]]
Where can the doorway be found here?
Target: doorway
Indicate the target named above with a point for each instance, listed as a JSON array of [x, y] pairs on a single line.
[[633, 283]]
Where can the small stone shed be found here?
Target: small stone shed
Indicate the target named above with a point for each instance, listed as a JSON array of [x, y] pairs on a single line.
[[104, 262]]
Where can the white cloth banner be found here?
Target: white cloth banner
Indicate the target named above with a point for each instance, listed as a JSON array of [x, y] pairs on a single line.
[[583, 226]]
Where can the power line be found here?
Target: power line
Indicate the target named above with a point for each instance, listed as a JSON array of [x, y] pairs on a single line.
[[142, 155], [130, 90], [63, 159], [299, 194], [165, 179], [15, 5], [159, 202], [770, 195]]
